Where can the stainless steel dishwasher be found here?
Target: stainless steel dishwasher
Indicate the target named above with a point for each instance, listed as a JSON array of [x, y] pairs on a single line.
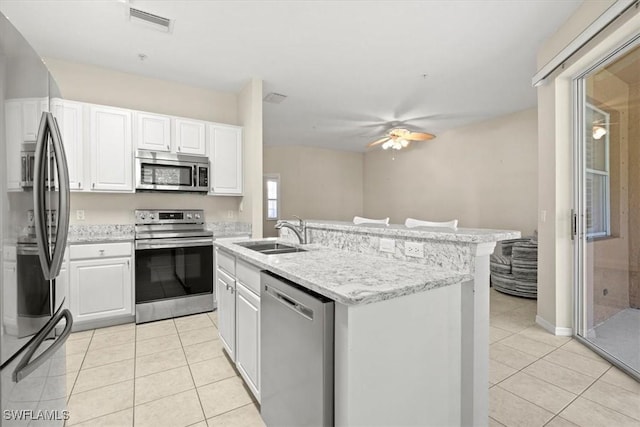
[[296, 344]]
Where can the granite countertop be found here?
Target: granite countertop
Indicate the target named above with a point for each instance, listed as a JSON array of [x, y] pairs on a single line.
[[110, 233], [463, 235], [346, 277], [100, 233]]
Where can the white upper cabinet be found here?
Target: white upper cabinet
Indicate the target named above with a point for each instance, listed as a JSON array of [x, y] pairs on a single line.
[[225, 152], [111, 149], [69, 116], [32, 110], [153, 132], [190, 137]]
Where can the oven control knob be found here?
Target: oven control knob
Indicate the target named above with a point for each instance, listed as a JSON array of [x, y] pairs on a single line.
[[152, 216], [143, 216], [189, 216], [197, 216]]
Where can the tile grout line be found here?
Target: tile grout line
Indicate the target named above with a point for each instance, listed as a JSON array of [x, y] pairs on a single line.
[[84, 356], [135, 366], [195, 387], [595, 380], [230, 410], [591, 400], [576, 398]]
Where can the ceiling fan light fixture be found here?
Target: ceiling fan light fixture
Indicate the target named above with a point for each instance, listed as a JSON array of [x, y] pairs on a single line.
[[599, 132]]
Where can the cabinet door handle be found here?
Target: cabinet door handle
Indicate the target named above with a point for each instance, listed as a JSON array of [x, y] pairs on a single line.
[[167, 148], [101, 251], [128, 265], [79, 185], [93, 185], [13, 268]]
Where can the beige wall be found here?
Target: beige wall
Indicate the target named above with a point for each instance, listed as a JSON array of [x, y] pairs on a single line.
[[88, 83], [316, 183], [484, 175], [555, 197], [250, 117]]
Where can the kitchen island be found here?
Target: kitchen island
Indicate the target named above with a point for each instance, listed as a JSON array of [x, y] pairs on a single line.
[[407, 351]]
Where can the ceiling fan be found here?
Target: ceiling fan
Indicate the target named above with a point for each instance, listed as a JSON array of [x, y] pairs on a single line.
[[399, 138]]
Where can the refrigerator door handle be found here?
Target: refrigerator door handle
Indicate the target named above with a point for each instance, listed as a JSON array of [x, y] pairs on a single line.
[[26, 365], [51, 264], [39, 193], [64, 188]]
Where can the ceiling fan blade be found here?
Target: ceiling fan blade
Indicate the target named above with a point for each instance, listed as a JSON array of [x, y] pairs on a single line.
[[379, 141], [419, 136]]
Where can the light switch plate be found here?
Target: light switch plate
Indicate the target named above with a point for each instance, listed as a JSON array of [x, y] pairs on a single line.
[[414, 249], [388, 245], [80, 215]]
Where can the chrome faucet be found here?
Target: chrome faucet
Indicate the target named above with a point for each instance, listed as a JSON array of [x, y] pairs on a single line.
[[300, 230]]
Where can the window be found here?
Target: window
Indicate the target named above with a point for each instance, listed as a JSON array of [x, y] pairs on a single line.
[[272, 194], [597, 190]]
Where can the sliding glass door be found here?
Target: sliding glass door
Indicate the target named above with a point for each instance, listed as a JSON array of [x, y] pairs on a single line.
[[607, 206]]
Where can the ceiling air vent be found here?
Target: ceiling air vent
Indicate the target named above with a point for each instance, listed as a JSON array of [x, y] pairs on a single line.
[[149, 19], [274, 98]]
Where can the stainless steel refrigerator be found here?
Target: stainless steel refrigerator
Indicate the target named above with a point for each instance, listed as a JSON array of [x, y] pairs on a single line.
[[34, 207]]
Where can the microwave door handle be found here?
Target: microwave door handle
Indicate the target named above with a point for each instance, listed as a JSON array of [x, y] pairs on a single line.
[[62, 229], [39, 194]]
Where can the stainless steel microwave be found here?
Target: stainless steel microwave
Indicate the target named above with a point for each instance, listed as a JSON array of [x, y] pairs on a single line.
[[171, 172]]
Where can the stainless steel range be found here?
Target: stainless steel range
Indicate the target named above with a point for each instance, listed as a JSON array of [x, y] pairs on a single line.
[[174, 264]]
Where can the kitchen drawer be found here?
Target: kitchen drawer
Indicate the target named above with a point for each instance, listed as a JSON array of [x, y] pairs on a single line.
[[249, 275], [226, 262], [226, 279], [102, 250]]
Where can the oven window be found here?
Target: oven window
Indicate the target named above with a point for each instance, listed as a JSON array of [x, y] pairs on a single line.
[[151, 174], [173, 273]]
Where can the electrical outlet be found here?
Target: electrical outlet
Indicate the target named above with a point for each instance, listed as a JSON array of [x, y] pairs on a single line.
[[80, 215], [414, 249], [230, 214], [387, 245]]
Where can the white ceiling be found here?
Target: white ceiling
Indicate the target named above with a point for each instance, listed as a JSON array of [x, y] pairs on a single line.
[[348, 67]]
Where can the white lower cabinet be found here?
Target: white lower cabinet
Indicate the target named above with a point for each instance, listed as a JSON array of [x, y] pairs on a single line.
[[225, 295], [248, 337], [239, 316], [100, 288]]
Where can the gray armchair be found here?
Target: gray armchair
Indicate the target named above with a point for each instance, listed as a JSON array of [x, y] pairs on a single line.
[[515, 270]]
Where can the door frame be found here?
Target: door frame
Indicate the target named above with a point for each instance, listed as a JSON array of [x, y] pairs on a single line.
[[578, 212]]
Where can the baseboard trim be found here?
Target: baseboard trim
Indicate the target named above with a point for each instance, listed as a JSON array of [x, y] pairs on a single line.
[[555, 330]]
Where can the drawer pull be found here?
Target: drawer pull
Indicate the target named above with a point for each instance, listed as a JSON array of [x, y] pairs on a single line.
[[101, 251]]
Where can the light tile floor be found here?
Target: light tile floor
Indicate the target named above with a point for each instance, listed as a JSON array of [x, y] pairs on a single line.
[[537, 379], [169, 373], [174, 373]]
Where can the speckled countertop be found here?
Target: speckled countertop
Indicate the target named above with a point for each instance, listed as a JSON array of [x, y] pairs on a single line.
[[346, 277], [100, 233], [463, 235], [109, 233]]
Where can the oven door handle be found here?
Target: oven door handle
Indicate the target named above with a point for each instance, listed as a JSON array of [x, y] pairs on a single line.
[[172, 243]]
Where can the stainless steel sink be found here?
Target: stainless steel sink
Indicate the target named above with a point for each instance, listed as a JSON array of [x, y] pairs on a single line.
[[270, 248]]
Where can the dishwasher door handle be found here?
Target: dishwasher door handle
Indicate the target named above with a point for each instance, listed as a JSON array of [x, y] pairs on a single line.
[[294, 305]]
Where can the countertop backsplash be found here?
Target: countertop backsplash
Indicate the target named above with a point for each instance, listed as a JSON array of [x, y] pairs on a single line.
[[441, 248]]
